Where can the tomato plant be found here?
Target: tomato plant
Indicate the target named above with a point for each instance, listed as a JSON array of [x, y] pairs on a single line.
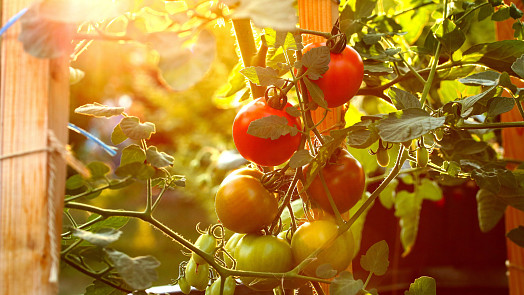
[[343, 78], [197, 275], [320, 234], [263, 254], [345, 179], [264, 151], [243, 205], [207, 243], [229, 287]]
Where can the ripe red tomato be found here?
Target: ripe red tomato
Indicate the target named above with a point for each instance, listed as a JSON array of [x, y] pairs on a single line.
[[244, 205], [263, 254], [263, 151], [319, 234], [246, 171], [343, 78], [345, 179]]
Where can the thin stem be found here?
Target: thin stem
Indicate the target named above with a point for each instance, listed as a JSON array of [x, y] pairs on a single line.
[[381, 177], [96, 190], [427, 86], [470, 11], [497, 125], [367, 280], [411, 9], [338, 218], [164, 188], [316, 33], [104, 212], [519, 107], [91, 222], [286, 201]]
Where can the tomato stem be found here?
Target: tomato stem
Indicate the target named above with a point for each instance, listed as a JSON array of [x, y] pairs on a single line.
[[338, 217], [312, 32]]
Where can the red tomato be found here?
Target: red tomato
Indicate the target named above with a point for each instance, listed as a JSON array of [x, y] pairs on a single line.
[[345, 179], [343, 78], [244, 205], [264, 152]]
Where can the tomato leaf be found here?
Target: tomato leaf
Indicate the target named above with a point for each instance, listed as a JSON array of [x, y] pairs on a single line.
[[98, 169], [486, 78], [182, 67], [316, 61], [499, 55], [118, 136], [407, 207], [131, 154], [387, 196], [115, 222], [75, 182], [516, 235], [403, 99], [408, 124], [136, 169], [518, 66], [271, 127], [429, 190], [43, 37], [283, 39], [158, 159], [300, 158], [293, 111], [500, 105], [490, 210], [99, 110], [501, 14], [345, 284], [376, 258], [325, 271], [132, 128], [138, 272], [101, 239], [377, 68], [276, 14], [450, 36], [263, 76], [422, 286], [315, 93]]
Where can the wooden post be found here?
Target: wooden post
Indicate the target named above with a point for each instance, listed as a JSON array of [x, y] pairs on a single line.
[[34, 100], [512, 142]]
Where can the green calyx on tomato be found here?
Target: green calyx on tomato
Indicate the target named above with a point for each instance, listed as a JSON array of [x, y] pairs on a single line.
[[263, 254], [345, 178], [229, 287], [264, 151], [244, 205], [320, 234], [206, 243], [343, 78], [197, 274]]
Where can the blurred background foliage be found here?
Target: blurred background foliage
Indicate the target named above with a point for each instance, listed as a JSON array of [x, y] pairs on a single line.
[[192, 125]]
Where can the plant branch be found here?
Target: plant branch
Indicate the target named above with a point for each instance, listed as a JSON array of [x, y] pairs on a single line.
[[96, 190], [497, 125], [316, 33]]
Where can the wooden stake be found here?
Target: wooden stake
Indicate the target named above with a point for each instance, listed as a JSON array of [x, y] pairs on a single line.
[[34, 100], [512, 142]]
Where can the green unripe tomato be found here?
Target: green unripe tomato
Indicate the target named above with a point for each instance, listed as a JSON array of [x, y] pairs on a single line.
[[439, 134], [229, 287], [382, 157], [231, 246], [206, 243], [184, 285], [422, 157], [197, 274]]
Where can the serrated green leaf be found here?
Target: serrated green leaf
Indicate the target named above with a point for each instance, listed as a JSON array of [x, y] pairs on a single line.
[[133, 129], [501, 14], [99, 110], [518, 66], [263, 76], [315, 93], [136, 169], [75, 182], [158, 159], [500, 105], [422, 286], [376, 259], [138, 272], [387, 196], [277, 39], [516, 235], [486, 78], [429, 190], [316, 60], [499, 55], [325, 271], [131, 154], [101, 239], [345, 284], [468, 102], [490, 210], [271, 127], [300, 158], [98, 169], [118, 136], [408, 124], [505, 81], [403, 99]]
